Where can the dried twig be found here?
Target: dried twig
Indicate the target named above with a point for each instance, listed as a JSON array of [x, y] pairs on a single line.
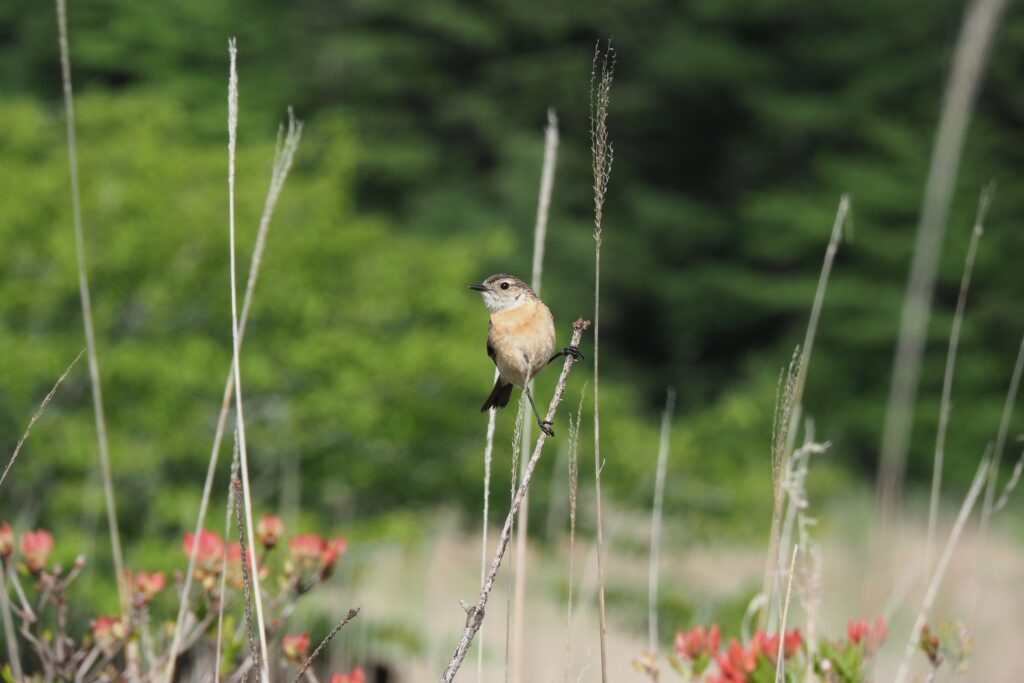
[[475, 614], [36, 416], [602, 154], [9, 637], [574, 442], [86, 300], [352, 614], [947, 381], [785, 615]]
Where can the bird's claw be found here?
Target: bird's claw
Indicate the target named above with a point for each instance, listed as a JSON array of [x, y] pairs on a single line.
[[572, 351], [545, 426]]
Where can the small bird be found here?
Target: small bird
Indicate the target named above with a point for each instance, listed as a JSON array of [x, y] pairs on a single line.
[[520, 339]]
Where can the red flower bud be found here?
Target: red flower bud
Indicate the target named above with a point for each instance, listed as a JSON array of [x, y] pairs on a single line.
[[269, 530], [149, 585], [354, 676], [209, 549], [295, 648], [35, 549], [6, 540]]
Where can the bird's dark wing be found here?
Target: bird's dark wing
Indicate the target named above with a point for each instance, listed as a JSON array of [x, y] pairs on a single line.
[[490, 348]]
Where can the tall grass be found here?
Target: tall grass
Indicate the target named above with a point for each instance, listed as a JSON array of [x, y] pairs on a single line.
[[947, 381], [602, 156], [86, 302], [975, 39], [235, 352], [540, 232], [656, 509]]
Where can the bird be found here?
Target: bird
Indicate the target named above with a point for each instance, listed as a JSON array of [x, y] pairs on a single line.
[[520, 339]]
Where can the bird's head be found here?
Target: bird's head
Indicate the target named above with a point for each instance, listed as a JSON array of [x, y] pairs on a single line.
[[502, 292]]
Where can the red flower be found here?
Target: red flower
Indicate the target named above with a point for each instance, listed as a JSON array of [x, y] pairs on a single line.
[[209, 549], [6, 540], [791, 643], [269, 530], [306, 549], [149, 585], [872, 635], [697, 641], [295, 648], [354, 676], [107, 630], [331, 552], [736, 664], [35, 548]]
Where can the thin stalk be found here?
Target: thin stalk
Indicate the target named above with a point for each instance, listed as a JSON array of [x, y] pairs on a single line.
[[659, 501], [488, 452], [574, 441], [785, 615], [1004, 428], [602, 155], [940, 569], [12, 643], [86, 300], [283, 158], [475, 614], [239, 414], [976, 34], [540, 232], [229, 515], [947, 381], [37, 415]]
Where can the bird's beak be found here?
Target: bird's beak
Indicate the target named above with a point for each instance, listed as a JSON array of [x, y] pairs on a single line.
[[478, 288]]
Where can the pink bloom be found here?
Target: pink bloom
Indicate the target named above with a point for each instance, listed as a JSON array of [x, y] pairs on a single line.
[[354, 676], [791, 643], [107, 630], [736, 664], [6, 540], [209, 549], [331, 552], [872, 635], [295, 648], [35, 548], [697, 641], [149, 585], [306, 549], [269, 530]]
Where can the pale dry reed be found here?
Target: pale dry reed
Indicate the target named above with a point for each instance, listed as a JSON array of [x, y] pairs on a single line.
[[656, 509]]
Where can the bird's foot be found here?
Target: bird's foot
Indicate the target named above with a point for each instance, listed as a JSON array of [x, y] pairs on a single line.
[[545, 426], [572, 351]]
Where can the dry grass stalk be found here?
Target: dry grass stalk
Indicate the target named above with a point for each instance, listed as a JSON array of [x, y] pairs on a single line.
[[976, 34], [785, 615], [574, 442], [517, 439], [254, 648], [659, 500], [488, 452], [475, 614], [86, 301], [947, 381], [235, 347], [1010, 485], [36, 415], [352, 614], [9, 637], [540, 231], [283, 158], [602, 156], [781, 424], [1004, 429], [228, 516], [940, 569]]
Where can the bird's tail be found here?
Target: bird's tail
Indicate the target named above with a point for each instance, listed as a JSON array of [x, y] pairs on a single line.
[[499, 397]]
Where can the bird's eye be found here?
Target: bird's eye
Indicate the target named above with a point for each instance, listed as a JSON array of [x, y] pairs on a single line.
[[504, 285]]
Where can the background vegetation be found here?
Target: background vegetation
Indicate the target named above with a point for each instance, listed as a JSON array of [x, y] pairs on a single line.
[[736, 128]]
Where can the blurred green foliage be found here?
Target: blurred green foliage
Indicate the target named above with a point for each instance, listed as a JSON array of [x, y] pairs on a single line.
[[736, 127]]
